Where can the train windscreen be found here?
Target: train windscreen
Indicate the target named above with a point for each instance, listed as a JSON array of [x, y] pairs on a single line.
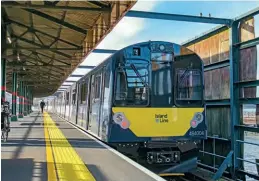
[[132, 82], [189, 86], [188, 78]]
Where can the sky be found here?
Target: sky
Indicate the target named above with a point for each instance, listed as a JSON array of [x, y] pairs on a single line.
[[133, 30]]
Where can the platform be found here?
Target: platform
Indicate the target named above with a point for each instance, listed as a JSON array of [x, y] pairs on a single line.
[[44, 147]]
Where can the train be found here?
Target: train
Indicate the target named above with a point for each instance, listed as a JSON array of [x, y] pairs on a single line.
[[146, 101]]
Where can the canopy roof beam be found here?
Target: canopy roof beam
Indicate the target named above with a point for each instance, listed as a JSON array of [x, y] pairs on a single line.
[[54, 19], [44, 63], [40, 46], [99, 4], [25, 65], [8, 4], [33, 30], [178, 17], [57, 21]]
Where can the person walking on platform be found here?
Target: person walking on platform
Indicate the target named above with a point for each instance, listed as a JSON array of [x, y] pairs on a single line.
[[42, 105]]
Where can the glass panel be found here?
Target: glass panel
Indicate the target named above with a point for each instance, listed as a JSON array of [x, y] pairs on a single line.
[[189, 86], [132, 79], [74, 97], [251, 152], [250, 28], [161, 57], [161, 84], [249, 92], [161, 79], [82, 89], [85, 92], [97, 87], [251, 114], [67, 98]]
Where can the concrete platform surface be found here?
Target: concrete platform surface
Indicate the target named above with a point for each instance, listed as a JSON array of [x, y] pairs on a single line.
[[44, 147]]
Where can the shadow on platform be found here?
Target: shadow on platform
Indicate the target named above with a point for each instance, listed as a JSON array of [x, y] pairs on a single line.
[[37, 142], [23, 170]]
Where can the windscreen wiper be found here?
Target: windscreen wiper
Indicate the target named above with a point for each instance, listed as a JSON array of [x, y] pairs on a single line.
[[138, 74], [184, 75]]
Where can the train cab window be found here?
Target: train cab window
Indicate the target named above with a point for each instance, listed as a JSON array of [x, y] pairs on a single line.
[[132, 82], [189, 88]]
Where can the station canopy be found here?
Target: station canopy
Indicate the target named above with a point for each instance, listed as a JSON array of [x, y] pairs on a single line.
[[47, 40]]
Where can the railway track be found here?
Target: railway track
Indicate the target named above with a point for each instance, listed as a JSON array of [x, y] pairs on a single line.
[[186, 177]]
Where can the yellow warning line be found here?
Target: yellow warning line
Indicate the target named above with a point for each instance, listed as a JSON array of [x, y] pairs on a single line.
[[67, 165], [50, 162]]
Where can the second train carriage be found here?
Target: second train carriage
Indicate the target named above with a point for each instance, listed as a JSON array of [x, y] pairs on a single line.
[[147, 101]]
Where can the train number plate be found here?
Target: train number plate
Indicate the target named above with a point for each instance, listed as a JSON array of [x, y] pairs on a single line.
[[197, 133], [163, 157]]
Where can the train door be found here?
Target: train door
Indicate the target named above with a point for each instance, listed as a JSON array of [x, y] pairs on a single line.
[[83, 103], [105, 99], [95, 104]]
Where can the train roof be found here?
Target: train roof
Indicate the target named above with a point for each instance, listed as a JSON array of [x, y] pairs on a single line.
[[119, 51]]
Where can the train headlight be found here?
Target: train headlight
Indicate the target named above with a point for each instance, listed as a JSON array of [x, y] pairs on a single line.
[[162, 47], [120, 119], [193, 123], [199, 117], [196, 120]]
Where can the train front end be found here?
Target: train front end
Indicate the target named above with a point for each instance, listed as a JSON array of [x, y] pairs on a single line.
[[158, 105]]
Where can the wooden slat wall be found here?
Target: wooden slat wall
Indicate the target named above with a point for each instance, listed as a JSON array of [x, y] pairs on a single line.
[[217, 83]]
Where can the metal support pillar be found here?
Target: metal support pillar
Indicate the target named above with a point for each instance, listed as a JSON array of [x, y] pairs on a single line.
[[25, 100], [226, 163], [104, 51], [3, 61], [234, 96], [28, 101], [14, 97], [31, 100], [3, 80], [20, 100]]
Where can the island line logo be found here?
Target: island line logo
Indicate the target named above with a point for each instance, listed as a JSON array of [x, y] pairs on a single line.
[[161, 118]]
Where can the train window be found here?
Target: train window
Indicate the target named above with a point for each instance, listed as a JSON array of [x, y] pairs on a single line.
[[161, 79], [86, 91], [132, 83], [83, 93], [74, 97], [67, 98], [97, 87], [162, 57], [189, 88]]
